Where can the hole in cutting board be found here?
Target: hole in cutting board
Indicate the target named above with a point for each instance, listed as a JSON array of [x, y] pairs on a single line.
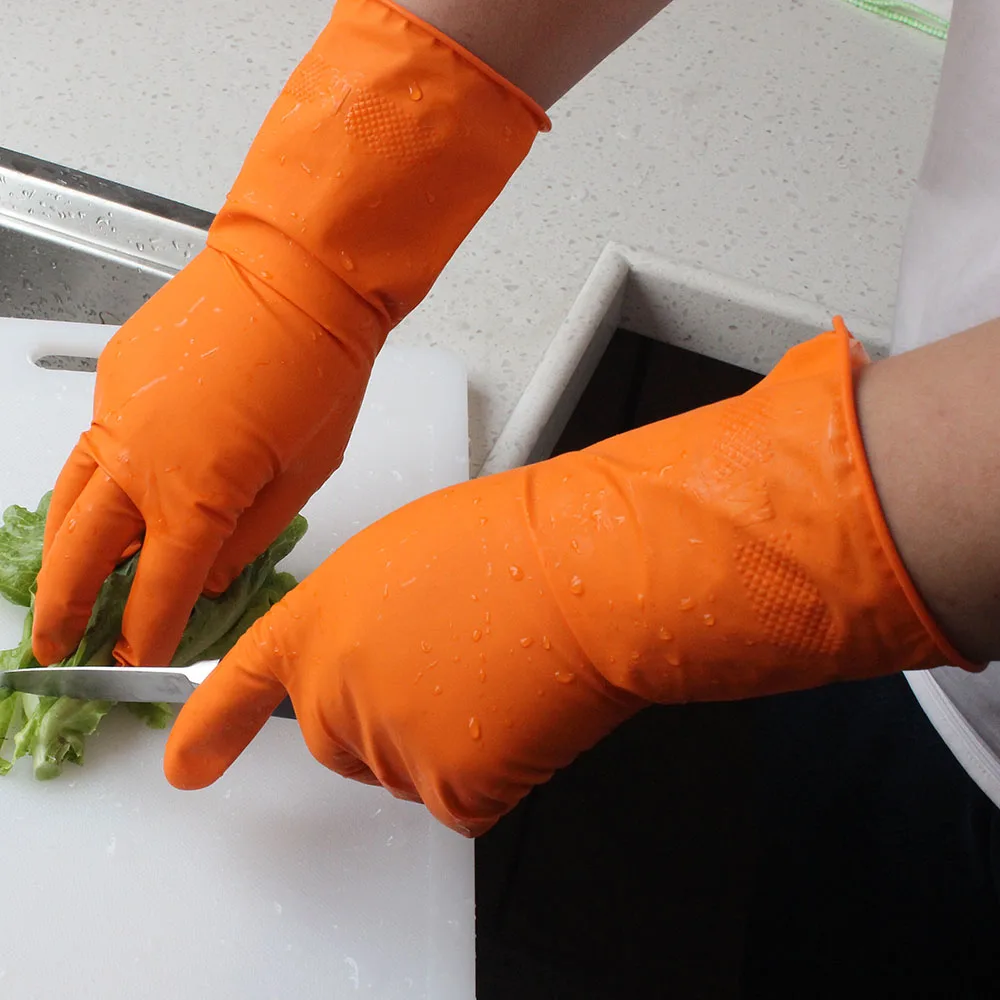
[[66, 363]]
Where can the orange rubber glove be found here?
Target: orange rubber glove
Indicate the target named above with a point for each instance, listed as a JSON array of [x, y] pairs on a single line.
[[463, 648], [228, 398]]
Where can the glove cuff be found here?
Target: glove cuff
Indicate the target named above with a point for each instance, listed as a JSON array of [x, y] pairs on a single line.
[[382, 151], [736, 550]]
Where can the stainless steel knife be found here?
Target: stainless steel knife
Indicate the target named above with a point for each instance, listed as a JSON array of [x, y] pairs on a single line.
[[170, 684]]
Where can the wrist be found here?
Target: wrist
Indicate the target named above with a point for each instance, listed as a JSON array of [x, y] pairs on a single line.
[[927, 493]]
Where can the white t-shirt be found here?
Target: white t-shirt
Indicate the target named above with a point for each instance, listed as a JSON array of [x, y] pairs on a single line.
[[949, 282]]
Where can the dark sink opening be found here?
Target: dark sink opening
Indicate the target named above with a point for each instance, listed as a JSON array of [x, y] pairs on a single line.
[[639, 381]]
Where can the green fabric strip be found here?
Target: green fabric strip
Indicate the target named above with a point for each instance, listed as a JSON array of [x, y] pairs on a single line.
[[906, 13]]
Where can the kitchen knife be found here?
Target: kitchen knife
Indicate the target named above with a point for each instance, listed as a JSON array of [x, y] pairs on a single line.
[[142, 684]]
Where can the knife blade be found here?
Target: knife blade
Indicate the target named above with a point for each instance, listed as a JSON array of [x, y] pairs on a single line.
[[139, 684]]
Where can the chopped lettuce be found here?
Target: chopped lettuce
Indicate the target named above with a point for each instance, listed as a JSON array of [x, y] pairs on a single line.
[[52, 731]]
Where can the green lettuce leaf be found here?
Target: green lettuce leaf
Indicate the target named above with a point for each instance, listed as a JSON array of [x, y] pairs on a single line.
[[215, 618], [53, 731], [156, 714], [21, 551]]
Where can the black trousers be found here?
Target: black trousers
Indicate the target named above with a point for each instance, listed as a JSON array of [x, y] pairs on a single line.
[[818, 844]]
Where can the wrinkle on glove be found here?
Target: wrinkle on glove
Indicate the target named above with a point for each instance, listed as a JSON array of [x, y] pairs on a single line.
[[466, 646]]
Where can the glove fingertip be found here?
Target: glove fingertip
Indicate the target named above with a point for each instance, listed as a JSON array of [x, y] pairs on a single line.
[[47, 650], [187, 768], [201, 747], [218, 580], [219, 721], [55, 630]]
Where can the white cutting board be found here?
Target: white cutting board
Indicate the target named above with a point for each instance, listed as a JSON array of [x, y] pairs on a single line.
[[283, 880]]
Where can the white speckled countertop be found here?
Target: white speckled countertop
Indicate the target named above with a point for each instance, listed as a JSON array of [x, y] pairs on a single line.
[[773, 142]]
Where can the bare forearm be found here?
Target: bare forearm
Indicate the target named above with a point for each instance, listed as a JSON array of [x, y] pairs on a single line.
[[931, 424], [542, 46]]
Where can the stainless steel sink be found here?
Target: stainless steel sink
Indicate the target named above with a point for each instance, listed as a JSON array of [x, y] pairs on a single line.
[[75, 247]]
